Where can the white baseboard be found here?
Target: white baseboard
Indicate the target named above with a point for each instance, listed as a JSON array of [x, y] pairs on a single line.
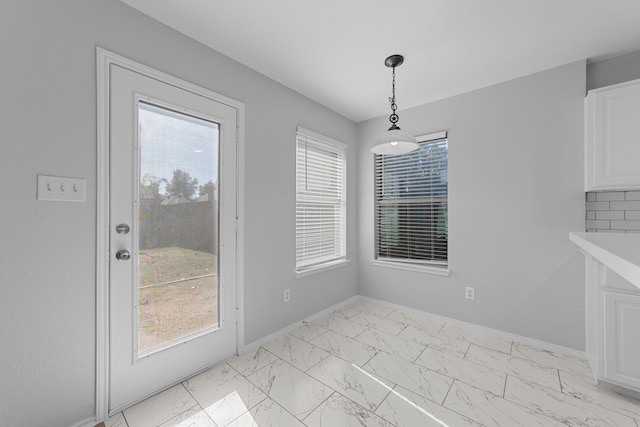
[[89, 422], [485, 330], [257, 343]]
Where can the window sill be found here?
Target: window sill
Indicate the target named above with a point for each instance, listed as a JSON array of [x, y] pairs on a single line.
[[439, 271], [321, 268]]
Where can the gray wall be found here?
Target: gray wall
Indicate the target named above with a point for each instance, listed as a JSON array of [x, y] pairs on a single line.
[[612, 71], [515, 193], [47, 250]]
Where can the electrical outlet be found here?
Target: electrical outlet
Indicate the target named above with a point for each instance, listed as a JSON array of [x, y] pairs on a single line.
[[287, 295], [469, 292]]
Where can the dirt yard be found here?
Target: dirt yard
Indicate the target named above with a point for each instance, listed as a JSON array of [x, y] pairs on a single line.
[[178, 294]]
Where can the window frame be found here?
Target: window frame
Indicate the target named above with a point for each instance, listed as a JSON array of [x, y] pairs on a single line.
[[432, 267], [306, 269]]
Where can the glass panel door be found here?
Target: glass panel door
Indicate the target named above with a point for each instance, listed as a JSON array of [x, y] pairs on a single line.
[[172, 240]]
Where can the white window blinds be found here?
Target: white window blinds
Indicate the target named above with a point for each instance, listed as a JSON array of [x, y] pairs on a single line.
[[411, 193], [320, 200]]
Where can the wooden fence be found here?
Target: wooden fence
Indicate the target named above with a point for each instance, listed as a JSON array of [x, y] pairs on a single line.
[[191, 225]]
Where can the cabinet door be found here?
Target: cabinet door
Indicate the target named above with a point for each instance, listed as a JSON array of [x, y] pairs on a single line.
[[613, 137], [621, 339]]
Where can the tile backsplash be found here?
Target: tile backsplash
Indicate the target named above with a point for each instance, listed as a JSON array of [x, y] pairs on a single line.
[[613, 211]]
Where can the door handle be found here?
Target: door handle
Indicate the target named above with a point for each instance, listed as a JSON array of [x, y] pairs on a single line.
[[123, 255]]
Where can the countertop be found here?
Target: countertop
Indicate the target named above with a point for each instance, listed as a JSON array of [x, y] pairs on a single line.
[[618, 251]]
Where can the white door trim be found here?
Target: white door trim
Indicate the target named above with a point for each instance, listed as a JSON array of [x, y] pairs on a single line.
[[104, 59]]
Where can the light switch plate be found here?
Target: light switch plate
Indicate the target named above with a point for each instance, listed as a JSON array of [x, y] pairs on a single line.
[[61, 189]]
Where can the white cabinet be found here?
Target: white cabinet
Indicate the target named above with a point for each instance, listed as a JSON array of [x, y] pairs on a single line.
[[612, 137], [621, 338], [612, 273], [612, 322]]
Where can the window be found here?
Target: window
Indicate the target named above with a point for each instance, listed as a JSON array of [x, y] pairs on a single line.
[[411, 205], [320, 201]]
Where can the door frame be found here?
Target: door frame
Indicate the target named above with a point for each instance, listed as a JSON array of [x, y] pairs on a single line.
[[104, 59]]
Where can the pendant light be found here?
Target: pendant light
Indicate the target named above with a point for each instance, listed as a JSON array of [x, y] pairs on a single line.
[[394, 141]]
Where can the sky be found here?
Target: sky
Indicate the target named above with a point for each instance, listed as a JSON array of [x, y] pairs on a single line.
[[171, 140]]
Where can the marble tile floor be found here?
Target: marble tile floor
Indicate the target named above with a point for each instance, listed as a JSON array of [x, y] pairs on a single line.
[[370, 365]]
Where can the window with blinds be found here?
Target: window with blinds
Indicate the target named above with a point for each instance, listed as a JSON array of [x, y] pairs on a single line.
[[411, 204], [320, 201]]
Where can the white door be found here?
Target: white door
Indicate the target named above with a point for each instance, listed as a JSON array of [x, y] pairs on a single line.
[[172, 251]]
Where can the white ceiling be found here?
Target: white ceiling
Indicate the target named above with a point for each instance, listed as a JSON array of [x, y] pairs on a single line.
[[333, 51]]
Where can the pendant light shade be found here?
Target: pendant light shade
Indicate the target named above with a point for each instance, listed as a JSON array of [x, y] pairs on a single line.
[[394, 141]]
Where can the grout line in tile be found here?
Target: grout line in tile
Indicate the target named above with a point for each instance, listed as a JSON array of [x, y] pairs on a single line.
[[289, 412], [125, 419], [467, 351], [371, 358], [402, 330], [190, 394], [274, 355], [234, 369], [334, 391], [316, 364], [525, 407], [319, 348], [358, 334], [464, 415], [504, 389], [543, 388], [528, 408], [418, 356], [448, 391], [201, 409], [560, 381], [335, 313], [214, 423], [187, 390], [239, 373], [321, 334], [386, 396]]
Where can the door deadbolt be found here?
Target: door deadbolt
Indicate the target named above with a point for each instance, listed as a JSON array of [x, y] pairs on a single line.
[[123, 229]]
